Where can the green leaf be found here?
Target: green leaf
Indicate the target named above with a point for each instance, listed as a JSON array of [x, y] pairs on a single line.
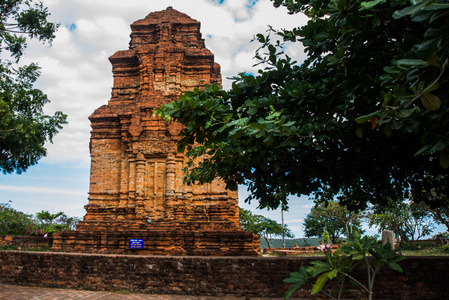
[[387, 99], [433, 61], [423, 150], [358, 256], [268, 141], [375, 21], [444, 159], [396, 124], [408, 11], [370, 4], [290, 292], [215, 87], [437, 6], [405, 113], [432, 87], [320, 268], [192, 103], [252, 111], [406, 63], [319, 284], [365, 118], [425, 45], [394, 266], [332, 274], [439, 146], [430, 102], [359, 132], [291, 280]]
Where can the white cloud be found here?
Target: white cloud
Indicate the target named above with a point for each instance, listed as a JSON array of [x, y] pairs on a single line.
[[77, 77], [96, 34], [35, 189], [76, 73]]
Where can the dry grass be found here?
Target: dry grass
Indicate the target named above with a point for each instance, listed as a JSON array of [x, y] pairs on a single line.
[[427, 251]]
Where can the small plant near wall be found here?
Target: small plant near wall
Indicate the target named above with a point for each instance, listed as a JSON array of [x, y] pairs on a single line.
[[325, 236], [340, 264], [8, 247], [44, 223], [12, 221], [445, 248], [46, 230]]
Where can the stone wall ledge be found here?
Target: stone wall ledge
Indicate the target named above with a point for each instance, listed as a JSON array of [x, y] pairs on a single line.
[[423, 277]]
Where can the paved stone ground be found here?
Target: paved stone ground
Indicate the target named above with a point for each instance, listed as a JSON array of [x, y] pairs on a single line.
[[9, 292]]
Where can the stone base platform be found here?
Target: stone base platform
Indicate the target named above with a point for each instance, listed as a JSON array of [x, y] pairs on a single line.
[[190, 239]]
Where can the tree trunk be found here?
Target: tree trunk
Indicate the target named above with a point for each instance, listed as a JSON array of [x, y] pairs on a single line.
[[268, 242]]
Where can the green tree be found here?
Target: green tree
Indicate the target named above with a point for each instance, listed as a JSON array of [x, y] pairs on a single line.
[[70, 222], [264, 226], [408, 221], [365, 116], [13, 222], [334, 218], [24, 128], [432, 190], [47, 218], [49, 223], [60, 218]]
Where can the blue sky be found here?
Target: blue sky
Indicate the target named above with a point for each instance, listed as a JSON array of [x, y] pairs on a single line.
[[52, 187], [77, 77]]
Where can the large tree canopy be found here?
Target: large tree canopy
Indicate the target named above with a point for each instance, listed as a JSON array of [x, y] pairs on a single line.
[[333, 218], [364, 116], [24, 128], [408, 221], [433, 189], [263, 226]]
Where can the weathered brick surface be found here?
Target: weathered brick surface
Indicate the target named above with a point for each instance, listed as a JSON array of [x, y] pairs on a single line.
[[25, 242], [423, 277], [136, 187]]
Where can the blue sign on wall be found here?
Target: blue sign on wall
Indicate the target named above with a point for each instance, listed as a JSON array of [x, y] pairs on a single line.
[[135, 243]]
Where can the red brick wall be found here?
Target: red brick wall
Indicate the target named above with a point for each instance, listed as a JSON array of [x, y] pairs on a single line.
[[25, 241], [423, 277]]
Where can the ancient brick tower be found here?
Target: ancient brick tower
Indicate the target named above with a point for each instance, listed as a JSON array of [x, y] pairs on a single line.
[[137, 201]]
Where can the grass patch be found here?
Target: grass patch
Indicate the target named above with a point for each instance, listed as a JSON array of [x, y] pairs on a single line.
[[427, 251], [8, 247], [43, 248]]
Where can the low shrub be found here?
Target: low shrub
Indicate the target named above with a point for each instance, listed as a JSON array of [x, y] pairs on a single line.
[[416, 245], [445, 248]]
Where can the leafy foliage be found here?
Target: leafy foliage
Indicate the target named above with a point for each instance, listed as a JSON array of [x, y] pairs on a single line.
[[8, 247], [264, 226], [365, 116], [340, 263], [24, 128], [445, 248], [48, 223], [13, 222], [432, 190], [408, 221], [333, 219]]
